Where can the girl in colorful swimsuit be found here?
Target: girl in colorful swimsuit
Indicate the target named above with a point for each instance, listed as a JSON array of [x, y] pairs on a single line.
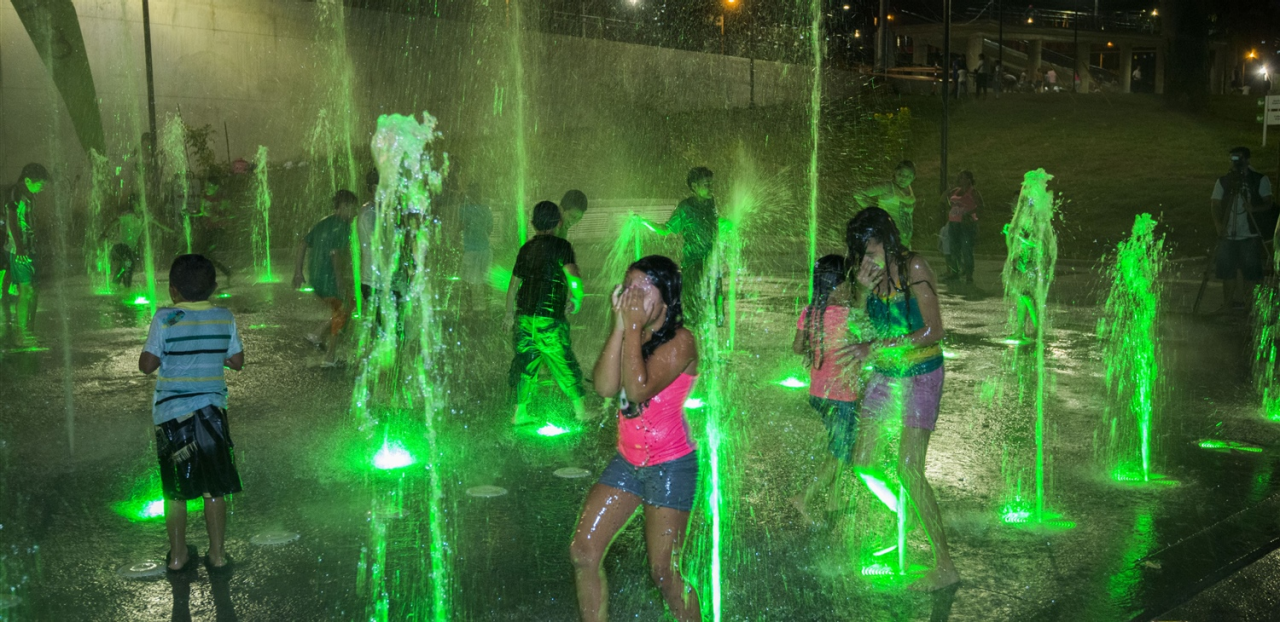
[[650, 361], [902, 305], [822, 331]]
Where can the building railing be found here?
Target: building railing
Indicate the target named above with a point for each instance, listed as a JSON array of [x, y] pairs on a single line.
[[1030, 17]]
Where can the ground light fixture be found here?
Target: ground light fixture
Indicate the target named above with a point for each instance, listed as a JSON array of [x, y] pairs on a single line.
[[551, 429], [392, 456]]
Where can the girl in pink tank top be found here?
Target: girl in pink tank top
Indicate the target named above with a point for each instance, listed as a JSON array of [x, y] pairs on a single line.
[[822, 331], [650, 362], [660, 433]]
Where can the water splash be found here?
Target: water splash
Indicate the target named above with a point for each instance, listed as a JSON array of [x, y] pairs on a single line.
[[521, 164], [330, 160], [1266, 339], [262, 224], [712, 544], [815, 114], [337, 118], [1028, 273], [399, 384], [173, 151], [628, 246], [97, 249], [1131, 350]]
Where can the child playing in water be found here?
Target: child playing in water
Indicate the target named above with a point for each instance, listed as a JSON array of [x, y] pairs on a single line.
[[189, 343], [822, 331], [650, 361], [573, 206], [126, 233], [19, 216], [698, 223], [477, 226], [544, 284], [329, 246], [900, 294]]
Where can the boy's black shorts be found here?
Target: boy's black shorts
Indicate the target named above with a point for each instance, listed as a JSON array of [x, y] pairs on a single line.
[[196, 455]]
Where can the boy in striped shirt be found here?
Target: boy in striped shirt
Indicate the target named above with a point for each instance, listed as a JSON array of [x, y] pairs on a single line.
[[189, 343]]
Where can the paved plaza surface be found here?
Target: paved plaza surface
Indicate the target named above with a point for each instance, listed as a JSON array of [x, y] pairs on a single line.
[[75, 465]]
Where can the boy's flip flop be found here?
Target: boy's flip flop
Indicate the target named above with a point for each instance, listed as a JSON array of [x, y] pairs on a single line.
[[222, 570], [191, 561]]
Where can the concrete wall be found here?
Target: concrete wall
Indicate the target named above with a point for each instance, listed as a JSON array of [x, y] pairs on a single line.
[[263, 68]]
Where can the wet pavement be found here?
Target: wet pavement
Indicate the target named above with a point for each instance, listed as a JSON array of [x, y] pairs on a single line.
[[75, 443]]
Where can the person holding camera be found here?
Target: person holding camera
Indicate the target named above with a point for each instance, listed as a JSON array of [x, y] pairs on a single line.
[[1241, 200]]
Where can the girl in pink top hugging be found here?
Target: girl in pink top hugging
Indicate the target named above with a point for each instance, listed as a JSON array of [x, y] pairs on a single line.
[[649, 361], [822, 331]]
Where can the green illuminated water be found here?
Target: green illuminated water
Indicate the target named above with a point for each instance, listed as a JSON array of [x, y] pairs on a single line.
[[97, 249], [1131, 351], [398, 394], [262, 220], [520, 154], [1266, 340], [330, 157], [711, 544], [173, 152], [875, 534], [1028, 273], [627, 247], [337, 119], [815, 114]]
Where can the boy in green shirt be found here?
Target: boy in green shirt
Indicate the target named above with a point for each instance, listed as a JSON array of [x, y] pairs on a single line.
[[20, 270], [326, 251]]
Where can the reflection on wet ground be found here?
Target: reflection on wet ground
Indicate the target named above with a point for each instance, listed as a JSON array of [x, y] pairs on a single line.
[[72, 519]]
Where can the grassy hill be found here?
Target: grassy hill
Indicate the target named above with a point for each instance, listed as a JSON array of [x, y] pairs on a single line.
[[1112, 157]]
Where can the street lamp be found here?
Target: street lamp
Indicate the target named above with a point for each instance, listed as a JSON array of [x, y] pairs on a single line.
[[724, 12]]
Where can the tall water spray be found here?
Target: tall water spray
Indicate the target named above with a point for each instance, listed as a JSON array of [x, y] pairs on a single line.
[[398, 394], [173, 151], [1266, 340], [1028, 272], [1131, 350], [262, 219], [97, 250], [332, 163], [712, 544], [520, 163], [815, 114]]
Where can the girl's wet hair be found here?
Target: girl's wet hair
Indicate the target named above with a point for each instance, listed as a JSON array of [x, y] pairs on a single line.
[[828, 274], [664, 274], [874, 223]]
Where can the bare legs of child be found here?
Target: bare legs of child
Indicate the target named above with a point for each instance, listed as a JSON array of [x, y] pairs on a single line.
[[607, 511], [911, 458], [826, 481], [215, 522]]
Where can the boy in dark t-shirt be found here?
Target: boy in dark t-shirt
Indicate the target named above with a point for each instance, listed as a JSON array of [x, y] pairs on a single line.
[[544, 284]]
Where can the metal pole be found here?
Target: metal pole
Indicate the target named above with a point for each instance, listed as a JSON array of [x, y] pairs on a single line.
[[1075, 54], [1000, 16], [151, 83], [946, 96], [882, 38]]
